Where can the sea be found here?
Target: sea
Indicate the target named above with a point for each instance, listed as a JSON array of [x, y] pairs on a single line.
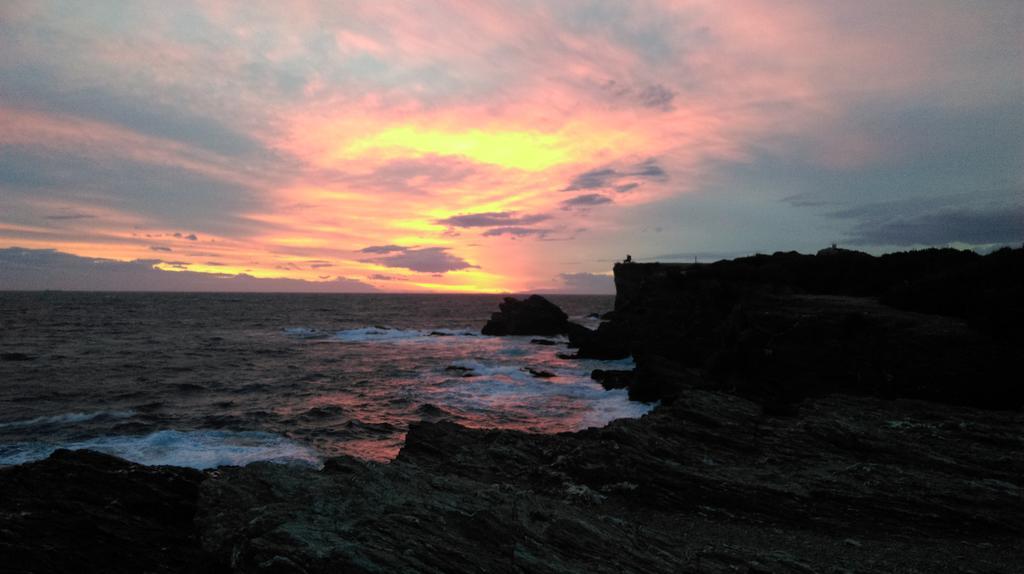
[[205, 380]]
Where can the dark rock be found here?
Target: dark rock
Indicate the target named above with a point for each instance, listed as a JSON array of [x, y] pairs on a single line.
[[547, 342], [431, 412], [534, 315], [594, 316], [15, 357], [611, 379], [610, 341], [786, 326], [540, 374], [578, 334], [83, 511], [780, 407]]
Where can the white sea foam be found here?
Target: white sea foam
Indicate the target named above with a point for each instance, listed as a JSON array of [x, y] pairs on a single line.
[[587, 321], [479, 369], [196, 449], [497, 387], [616, 405], [66, 419], [302, 332], [387, 334]]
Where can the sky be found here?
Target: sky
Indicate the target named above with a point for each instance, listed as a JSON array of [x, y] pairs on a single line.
[[494, 146]]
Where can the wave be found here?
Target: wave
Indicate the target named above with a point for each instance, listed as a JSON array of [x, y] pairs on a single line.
[[375, 334], [197, 449], [473, 368], [67, 419], [304, 332]]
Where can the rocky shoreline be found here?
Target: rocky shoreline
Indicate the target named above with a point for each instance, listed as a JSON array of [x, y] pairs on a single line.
[[828, 413]]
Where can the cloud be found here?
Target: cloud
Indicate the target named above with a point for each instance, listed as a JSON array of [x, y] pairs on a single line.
[[70, 216], [144, 115], [382, 249], [653, 96], [588, 283], [584, 201], [648, 169], [657, 96], [978, 218], [159, 190], [423, 260], [967, 226], [611, 178], [35, 269], [804, 200], [695, 256], [492, 219], [593, 179], [160, 248], [516, 232]]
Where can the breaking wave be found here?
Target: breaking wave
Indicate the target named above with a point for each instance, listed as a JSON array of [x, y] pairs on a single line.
[[197, 449], [66, 419]]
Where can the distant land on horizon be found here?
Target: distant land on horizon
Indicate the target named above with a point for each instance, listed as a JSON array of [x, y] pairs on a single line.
[[51, 270]]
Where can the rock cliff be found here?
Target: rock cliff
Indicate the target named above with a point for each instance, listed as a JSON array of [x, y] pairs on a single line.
[[782, 327]]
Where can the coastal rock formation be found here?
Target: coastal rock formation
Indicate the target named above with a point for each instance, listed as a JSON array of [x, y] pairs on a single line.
[[84, 511], [707, 484], [786, 326], [813, 417], [534, 315]]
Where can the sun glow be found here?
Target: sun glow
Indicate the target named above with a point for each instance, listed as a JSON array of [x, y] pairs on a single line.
[[526, 150]]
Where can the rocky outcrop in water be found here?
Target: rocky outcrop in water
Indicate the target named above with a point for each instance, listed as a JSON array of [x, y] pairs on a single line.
[[534, 315]]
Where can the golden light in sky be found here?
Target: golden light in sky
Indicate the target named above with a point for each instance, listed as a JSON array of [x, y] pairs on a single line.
[[499, 147]]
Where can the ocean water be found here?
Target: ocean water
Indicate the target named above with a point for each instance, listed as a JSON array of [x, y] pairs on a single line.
[[204, 380]]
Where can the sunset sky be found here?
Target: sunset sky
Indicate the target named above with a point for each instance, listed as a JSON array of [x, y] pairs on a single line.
[[494, 146]]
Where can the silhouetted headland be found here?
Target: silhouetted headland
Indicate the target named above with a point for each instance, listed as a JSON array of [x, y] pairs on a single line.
[[818, 413]]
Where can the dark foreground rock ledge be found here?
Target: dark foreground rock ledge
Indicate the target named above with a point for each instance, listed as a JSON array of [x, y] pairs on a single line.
[[706, 484], [85, 511]]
